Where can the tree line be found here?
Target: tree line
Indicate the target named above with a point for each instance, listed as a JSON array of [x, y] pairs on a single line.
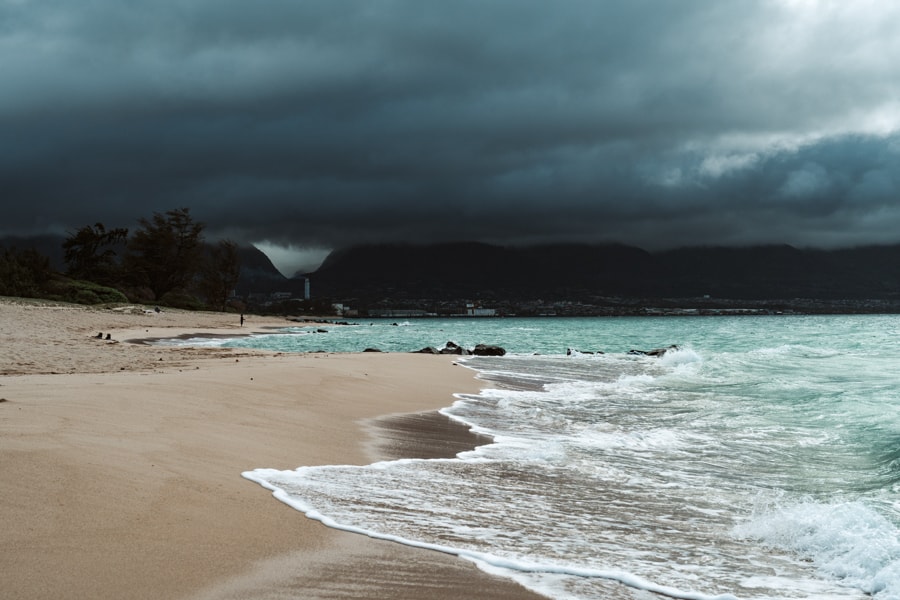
[[165, 261]]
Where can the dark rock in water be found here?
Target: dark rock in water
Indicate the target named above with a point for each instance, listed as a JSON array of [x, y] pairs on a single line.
[[427, 350], [321, 331], [655, 352], [661, 351], [488, 350], [371, 350], [452, 348], [570, 352]]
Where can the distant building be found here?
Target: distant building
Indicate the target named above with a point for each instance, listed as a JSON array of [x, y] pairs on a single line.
[[399, 312], [477, 311]]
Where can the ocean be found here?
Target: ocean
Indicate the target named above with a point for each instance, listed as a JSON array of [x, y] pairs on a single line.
[[759, 459]]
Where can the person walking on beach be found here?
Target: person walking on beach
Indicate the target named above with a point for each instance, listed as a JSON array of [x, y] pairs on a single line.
[[242, 319]]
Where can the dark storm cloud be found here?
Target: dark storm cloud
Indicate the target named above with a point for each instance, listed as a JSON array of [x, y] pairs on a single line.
[[320, 124]]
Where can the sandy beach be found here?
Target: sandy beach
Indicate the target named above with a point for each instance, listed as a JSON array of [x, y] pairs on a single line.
[[120, 462]]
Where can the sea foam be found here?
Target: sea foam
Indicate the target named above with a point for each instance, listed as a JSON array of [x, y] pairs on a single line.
[[276, 481], [848, 541]]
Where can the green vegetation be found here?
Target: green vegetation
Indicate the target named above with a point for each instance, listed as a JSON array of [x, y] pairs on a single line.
[[91, 253], [82, 292], [164, 254], [164, 262], [219, 274], [23, 273]]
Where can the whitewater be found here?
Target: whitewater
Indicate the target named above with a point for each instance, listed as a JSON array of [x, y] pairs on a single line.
[[761, 459]]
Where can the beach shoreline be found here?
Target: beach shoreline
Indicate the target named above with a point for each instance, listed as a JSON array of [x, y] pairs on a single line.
[[121, 462]]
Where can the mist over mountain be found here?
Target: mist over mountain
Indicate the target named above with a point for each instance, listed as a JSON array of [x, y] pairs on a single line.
[[260, 276]]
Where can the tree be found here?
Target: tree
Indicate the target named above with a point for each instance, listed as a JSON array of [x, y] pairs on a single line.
[[23, 273], [90, 253], [164, 254], [219, 274]]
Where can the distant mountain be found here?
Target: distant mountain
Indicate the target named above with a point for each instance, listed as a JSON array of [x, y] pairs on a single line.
[[259, 275], [583, 272], [783, 272], [482, 270]]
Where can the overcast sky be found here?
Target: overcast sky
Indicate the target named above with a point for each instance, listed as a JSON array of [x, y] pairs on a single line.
[[315, 124]]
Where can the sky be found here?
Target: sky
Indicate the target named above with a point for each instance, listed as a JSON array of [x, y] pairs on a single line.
[[308, 125]]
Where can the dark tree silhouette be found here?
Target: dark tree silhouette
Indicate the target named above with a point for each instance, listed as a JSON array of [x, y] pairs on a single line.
[[90, 253], [219, 274], [23, 273], [164, 254]]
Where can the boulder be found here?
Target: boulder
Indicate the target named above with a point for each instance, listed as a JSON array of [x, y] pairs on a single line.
[[655, 352], [488, 350], [427, 350], [452, 348]]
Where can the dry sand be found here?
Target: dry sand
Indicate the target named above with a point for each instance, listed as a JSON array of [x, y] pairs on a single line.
[[120, 462]]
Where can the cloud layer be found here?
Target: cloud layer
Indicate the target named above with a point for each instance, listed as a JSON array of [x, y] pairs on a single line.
[[318, 124]]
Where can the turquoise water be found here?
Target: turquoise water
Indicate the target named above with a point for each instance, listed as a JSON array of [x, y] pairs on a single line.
[[760, 460], [554, 335]]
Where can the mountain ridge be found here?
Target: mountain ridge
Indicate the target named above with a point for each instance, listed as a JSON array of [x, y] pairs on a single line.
[[585, 271]]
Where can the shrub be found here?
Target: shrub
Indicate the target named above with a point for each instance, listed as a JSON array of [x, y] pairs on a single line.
[[83, 292], [82, 296], [181, 299]]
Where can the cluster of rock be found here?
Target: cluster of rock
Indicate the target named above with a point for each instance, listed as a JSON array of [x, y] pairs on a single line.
[[571, 351], [655, 352], [492, 350], [321, 321], [454, 348]]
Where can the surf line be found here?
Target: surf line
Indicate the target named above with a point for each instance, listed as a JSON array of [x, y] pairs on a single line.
[[633, 581]]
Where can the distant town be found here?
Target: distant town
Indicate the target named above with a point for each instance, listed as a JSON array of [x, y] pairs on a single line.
[[282, 302]]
